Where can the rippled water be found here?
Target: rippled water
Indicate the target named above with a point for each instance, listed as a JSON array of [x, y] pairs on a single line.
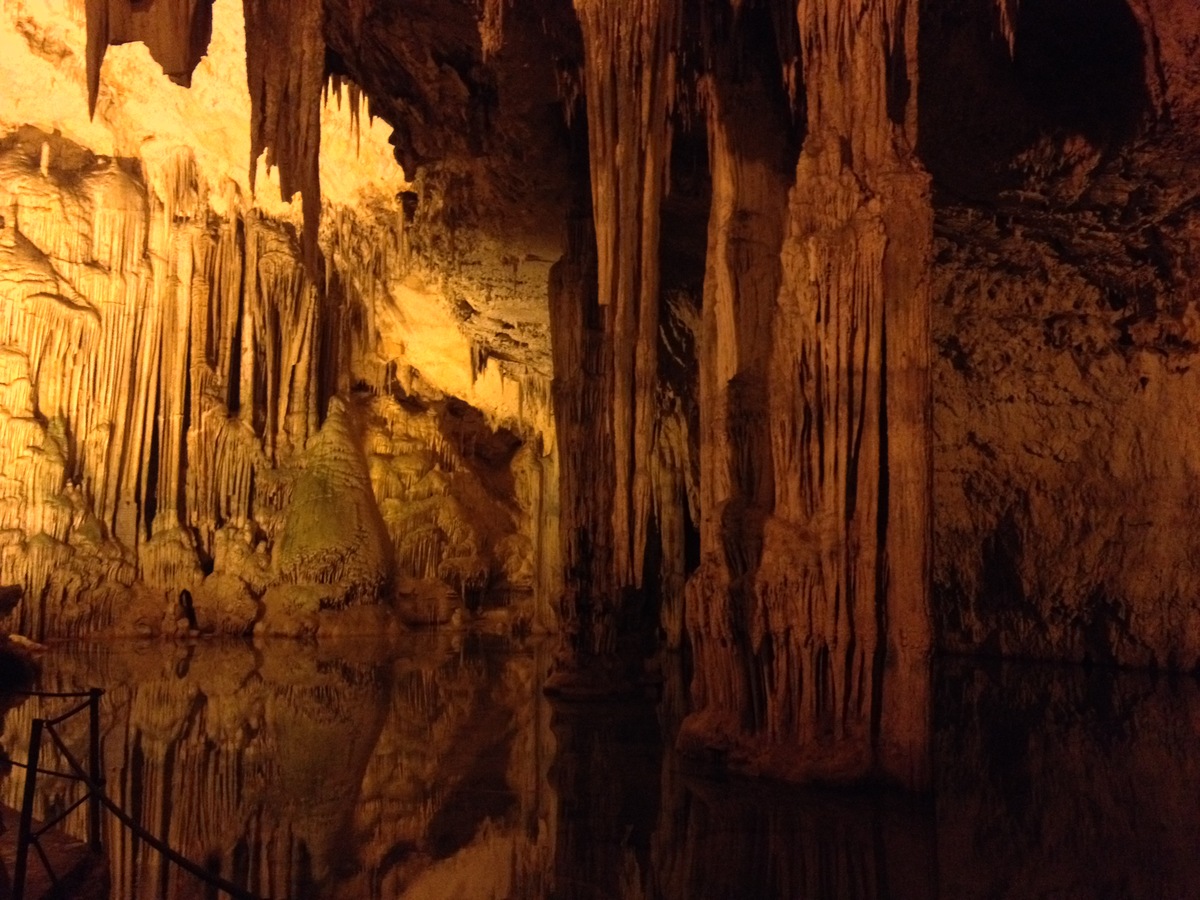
[[437, 769]]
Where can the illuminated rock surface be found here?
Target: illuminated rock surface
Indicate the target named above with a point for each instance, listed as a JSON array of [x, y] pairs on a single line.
[[168, 358], [803, 335]]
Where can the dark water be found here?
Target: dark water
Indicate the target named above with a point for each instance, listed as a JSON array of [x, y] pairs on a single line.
[[436, 769]]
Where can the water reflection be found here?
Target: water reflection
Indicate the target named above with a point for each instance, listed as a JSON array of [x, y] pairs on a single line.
[[438, 770], [1067, 783]]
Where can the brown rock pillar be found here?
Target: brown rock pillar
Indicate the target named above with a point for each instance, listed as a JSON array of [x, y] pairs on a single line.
[[809, 615], [606, 342]]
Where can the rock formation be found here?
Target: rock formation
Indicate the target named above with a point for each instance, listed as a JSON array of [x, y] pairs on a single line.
[[809, 613], [338, 774], [171, 344], [1064, 328], [809, 336]]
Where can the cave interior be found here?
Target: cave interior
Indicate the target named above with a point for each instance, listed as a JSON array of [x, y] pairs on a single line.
[[807, 342]]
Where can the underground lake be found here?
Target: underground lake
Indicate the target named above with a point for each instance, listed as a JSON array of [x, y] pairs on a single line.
[[434, 766]]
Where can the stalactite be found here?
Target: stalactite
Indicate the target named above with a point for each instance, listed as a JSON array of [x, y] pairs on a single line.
[[278, 374], [356, 99], [675, 467], [674, 503], [285, 68], [605, 342], [172, 257], [223, 456], [1008, 10], [176, 32], [809, 617], [629, 78], [491, 26]]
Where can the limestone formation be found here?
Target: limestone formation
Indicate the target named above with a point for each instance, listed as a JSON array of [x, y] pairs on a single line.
[[809, 614], [285, 68], [806, 335], [168, 355]]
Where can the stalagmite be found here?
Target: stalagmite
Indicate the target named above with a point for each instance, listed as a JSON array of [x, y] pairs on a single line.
[[333, 533], [809, 616]]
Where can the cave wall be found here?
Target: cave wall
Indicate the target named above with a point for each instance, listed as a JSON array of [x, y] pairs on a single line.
[[1065, 330], [193, 399]]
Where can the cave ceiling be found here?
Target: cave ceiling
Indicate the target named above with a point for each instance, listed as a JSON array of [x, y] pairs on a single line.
[[1074, 123]]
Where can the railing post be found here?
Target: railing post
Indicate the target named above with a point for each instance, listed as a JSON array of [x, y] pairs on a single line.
[[25, 829], [95, 773]]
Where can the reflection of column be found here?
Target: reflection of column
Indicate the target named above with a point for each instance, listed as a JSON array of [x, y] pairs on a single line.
[[753, 840], [1067, 782], [607, 778], [717, 839]]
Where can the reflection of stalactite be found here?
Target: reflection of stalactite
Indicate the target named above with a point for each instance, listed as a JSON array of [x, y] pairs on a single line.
[[805, 847], [598, 769], [296, 777]]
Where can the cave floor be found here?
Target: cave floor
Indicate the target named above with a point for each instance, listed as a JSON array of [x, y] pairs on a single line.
[[434, 767]]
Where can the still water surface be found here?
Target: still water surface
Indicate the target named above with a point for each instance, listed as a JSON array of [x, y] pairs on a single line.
[[436, 769]]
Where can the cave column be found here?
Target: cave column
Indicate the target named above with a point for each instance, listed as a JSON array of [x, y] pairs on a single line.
[[606, 340], [809, 615]]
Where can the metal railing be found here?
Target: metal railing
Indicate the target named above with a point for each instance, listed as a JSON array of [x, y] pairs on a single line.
[[94, 796], [93, 777]]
